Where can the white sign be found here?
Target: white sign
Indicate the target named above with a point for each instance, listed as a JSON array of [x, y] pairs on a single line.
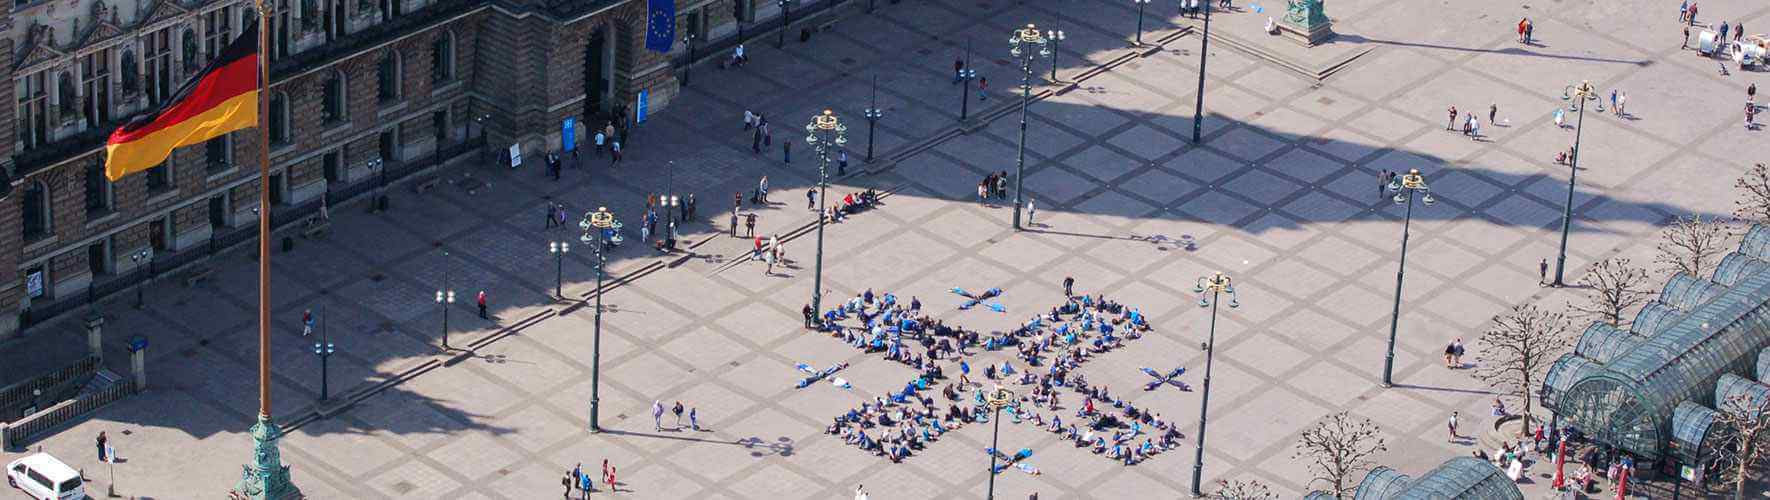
[[515, 155], [34, 284]]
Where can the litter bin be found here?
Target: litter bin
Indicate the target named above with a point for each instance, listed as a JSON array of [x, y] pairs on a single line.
[[288, 244]]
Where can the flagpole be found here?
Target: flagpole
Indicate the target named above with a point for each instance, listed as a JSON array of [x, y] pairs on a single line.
[[266, 478]]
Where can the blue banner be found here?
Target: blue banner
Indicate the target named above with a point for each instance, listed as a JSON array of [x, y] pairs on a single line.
[[660, 25], [567, 136]]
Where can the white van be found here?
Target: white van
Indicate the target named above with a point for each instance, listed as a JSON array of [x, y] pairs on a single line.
[[42, 476]]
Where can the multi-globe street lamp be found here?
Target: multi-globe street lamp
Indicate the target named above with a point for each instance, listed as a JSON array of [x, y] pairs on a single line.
[[1579, 95], [786, 19], [966, 74], [1140, 5], [1217, 285], [688, 39], [825, 133], [1404, 187], [140, 257], [1055, 35], [1027, 44], [996, 400], [446, 297], [594, 225], [1204, 52], [324, 349], [559, 249], [873, 114]]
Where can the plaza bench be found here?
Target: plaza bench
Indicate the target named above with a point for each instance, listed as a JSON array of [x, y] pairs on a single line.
[[197, 275]]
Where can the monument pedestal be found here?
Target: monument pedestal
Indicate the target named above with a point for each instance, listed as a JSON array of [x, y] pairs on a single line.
[[1308, 36]]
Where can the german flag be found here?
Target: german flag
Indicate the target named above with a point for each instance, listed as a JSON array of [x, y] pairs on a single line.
[[220, 99]]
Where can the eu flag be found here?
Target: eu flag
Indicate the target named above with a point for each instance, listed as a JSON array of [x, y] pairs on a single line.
[[660, 29]]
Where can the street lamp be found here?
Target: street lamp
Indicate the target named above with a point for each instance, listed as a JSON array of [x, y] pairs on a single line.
[[1403, 186], [596, 222], [559, 249], [1055, 35], [873, 114], [375, 165], [1579, 95], [324, 349], [966, 74], [786, 19], [485, 145], [1204, 51], [1026, 45], [996, 400], [826, 133], [1217, 285], [1140, 5], [137, 258], [445, 297], [688, 39]]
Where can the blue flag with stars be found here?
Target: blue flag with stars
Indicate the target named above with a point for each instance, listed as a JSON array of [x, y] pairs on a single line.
[[660, 25]]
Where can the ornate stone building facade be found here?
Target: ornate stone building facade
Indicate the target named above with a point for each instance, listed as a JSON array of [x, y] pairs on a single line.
[[353, 82]]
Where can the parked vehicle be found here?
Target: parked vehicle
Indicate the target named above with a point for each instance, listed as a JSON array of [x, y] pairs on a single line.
[[42, 476]]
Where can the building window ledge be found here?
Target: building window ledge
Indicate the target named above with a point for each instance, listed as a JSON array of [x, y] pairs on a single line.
[[161, 196], [42, 242], [448, 86], [221, 175], [96, 219], [390, 110]]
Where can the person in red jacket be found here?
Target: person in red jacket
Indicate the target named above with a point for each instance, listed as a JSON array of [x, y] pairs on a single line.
[[482, 305]]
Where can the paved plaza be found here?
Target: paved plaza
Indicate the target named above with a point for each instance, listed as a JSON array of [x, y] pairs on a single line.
[[1281, 194]]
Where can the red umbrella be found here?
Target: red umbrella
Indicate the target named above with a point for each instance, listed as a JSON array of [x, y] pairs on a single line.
[[1560, 460], [1622, 484]]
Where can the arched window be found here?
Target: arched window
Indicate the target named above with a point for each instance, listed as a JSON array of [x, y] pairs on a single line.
[[98, 190], [36, 211], [333, 96], [69, 102], [279, 118], [442, 58], [131, 73], [387, 78]]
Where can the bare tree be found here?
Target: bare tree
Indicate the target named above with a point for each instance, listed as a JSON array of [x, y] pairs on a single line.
[[1754, 199], [1518, 349], [1338, 447], [1745, 428], [1691, 245], [1613, 286], [1243, 490]]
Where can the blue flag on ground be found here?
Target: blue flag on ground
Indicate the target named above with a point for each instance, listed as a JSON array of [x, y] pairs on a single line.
[[660, 25]]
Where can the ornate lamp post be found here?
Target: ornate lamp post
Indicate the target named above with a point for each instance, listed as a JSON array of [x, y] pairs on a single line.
[[559, 249], [1217, 285], [375, 166], [826, 133], [1027, 44], [966, 74], [1204, 51], [1579, 95], [786, 19], [1404, 187], [1140, 5], [324, 349], [596, 222], [1054, 35], [137, 258], [873, 114], [996, 400], [445, 297]]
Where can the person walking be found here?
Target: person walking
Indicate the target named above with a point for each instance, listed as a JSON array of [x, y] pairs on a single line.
[[1453, 427], [1691, 19], [958, 69], [1002, 184], [600, 141], [482, 305], [1718, 39], [306, 322], [577, 476], [1560, 118], [678, 411], [1686, 43], [842, 163], [762, 189], [1452, 124], [756, 249], [585, 485], [983, 192], [734, 223], [750, 224], [566, 481], [102, 441], [614, 152], [1492, 111], [811, 199], [1542, 272], [756, 142], [1031, 209], [787, 151], [657, 414], [1450, 352], [1622, 104], [1382, 184], [550, 214], [749, 119], [1683, 10], [1474, 128], [1456, 355], [982, 88], [1751, 93], [1069, 283], [693, 422]]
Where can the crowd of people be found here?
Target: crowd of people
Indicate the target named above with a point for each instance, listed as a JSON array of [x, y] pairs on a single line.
[[897, 425]]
